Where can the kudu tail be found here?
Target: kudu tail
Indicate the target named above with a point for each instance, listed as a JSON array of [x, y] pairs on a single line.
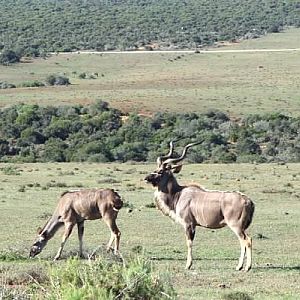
[[117, 201], [250, 207]]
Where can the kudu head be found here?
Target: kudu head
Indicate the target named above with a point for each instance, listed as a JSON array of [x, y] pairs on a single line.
[[39, 244], [166, 166]]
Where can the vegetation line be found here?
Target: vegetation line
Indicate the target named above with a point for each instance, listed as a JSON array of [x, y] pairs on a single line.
[[34, 28], [179, 51], [97, 133]]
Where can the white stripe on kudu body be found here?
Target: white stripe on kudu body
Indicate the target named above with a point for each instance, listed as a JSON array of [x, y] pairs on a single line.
[[193, 206]]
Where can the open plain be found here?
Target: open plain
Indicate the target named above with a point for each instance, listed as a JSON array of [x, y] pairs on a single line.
[[29, 193], [236, 83]]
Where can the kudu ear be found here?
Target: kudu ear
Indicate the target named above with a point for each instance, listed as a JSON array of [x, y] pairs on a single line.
[[176, 169], [39, 230]]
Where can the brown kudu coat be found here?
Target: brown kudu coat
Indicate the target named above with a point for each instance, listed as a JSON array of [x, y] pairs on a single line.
[[75, 207]]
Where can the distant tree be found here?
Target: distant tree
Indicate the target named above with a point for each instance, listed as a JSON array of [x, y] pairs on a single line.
[[82, 75], [135, 151], [6, 85], [62, 80], [247, 146], [4, 147], [9, 57], [59, 129], [50, 80], [274, 28], [32, 136], [57, 80], [54, 150]]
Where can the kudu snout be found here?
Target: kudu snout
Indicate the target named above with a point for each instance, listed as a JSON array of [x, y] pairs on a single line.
[[152, 178], [35, 250]]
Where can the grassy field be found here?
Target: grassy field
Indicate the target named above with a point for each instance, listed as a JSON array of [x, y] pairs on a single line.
[[288, 39], [237, 83], [29, 193]]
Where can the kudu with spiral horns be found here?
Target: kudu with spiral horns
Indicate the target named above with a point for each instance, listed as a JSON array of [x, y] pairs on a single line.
[[192, 206]]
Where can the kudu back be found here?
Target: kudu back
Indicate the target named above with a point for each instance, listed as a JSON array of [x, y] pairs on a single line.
[[193, 206], [74, 208]]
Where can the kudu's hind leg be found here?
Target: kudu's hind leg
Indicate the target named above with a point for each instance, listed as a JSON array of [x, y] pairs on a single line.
[[242, 255], [249, 252], [190, 235], [80, 227], [68, 231], [115, 233], [246, 248]]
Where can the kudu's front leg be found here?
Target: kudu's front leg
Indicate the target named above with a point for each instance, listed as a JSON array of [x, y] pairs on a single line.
[[190, 234], [80, 227], [68, 230], [115, 233]]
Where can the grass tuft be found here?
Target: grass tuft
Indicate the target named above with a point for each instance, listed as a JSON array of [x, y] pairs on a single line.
[[10, 170], [237, 296], [11, 256], [99, 279], [150, 205]]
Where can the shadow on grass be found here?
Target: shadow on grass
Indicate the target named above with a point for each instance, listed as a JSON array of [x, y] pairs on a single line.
[[279, 267], [88, 254], [194, 259]]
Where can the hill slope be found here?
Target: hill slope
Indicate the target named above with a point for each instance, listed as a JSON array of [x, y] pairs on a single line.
[[148, 82], [34, 26]]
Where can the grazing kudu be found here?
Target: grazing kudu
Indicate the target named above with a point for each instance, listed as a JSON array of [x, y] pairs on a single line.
[[74, 208], [193, 206]]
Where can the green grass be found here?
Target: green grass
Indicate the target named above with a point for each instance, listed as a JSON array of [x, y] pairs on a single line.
[[289, 38], [151, 82], [274, 188]]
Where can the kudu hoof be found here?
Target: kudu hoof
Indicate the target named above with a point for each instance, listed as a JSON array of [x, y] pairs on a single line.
[[109, 250], [56, 258]]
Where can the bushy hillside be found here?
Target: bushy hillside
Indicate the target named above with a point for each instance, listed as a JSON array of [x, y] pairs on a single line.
[[37, 26], [97, 133]]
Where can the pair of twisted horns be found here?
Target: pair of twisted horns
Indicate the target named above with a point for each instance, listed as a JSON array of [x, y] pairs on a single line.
[[168, 160]]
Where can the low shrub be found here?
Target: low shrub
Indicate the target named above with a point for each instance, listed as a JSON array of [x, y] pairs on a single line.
[[57, 80], [34, 83], [57, 184], [10, 170], [11, 255], [100, 279], [150, 205], [237, 296], [6, 85]]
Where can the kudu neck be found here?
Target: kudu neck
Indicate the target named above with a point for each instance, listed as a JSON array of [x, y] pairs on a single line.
[[170, 186], [51, 227]]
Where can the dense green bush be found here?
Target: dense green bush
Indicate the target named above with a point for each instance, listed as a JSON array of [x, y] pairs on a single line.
[[34, 83], [57, 80], [54, 150], [36, 27], [9, 57], [6, 85], [101, 279], [97, 133]]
